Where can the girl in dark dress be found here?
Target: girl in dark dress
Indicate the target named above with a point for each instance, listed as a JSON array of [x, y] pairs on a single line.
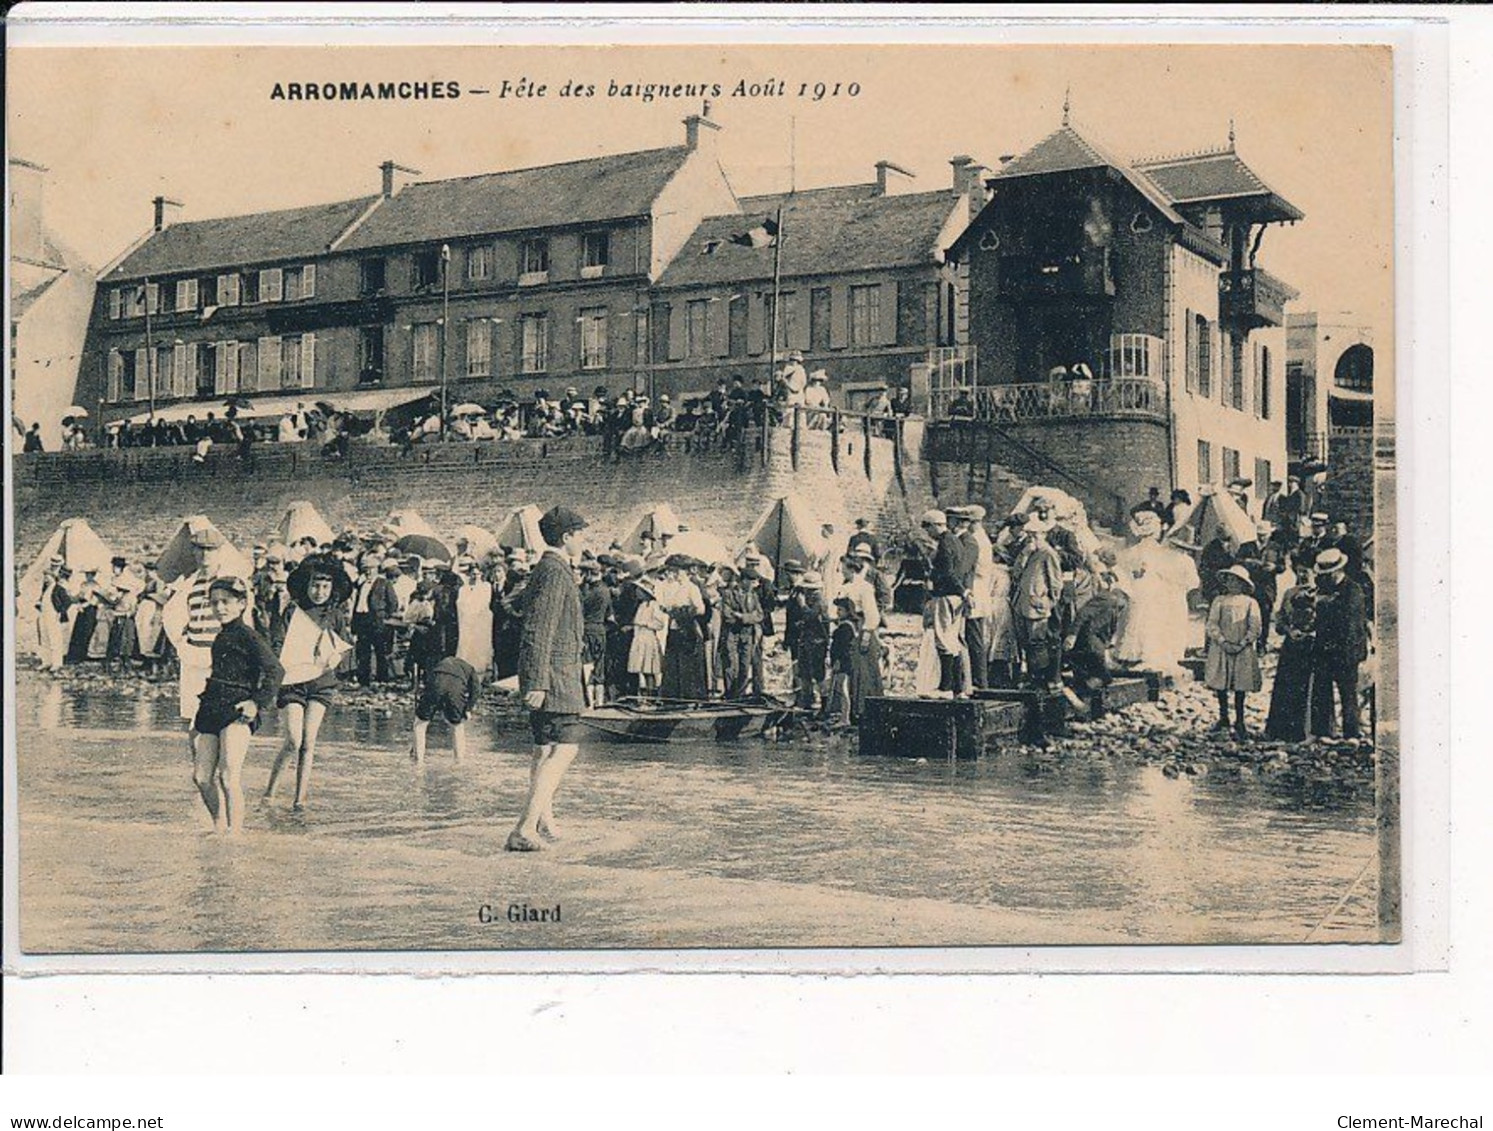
[[245, 677], [1291, 695]]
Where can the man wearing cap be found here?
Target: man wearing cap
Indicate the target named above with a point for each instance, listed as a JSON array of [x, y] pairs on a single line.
[[1034, 604], [374, 605], [741, 635], [549, 672], [950, 577], [1341, 645]]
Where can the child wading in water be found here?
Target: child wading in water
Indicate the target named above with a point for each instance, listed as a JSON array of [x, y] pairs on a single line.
[[450, 688], [244, 678], [311, 654], [1233, 630]]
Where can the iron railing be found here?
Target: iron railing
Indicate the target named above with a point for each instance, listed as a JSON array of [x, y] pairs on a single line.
[[1126, 396]]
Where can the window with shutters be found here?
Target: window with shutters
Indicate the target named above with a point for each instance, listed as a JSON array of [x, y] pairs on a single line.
[[128, 382], [168, 297], [300, 282], [425, 269], [1262, 383], [248, 367], [207, 290], [134, 302], [269, 364], [225, 368], [533, 261], [479, 263], [865, 315], [594, 337], [183, 376], [736, 326], [370, 355], [204, 368], [142, 369], [1230, 465], [249, 290], [1236, 371], [114, 393], [1205, 462], [595, 254], [186, 294], [1204, 332], [479, 347], [423, 356], [165, 375], [116, 304], [819, 316], [643, 342], [1263, 472], [228, 289], [534, 329], [696, 326], [271, 285], [152, 298]]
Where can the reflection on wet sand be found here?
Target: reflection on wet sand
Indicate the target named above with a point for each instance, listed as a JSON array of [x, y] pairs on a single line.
[[752, 844]]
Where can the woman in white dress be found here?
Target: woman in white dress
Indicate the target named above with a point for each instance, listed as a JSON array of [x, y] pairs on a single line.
[[473, 615], [1157, 578]]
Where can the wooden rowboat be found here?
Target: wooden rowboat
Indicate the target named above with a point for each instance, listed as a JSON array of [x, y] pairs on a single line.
[[669, 720]]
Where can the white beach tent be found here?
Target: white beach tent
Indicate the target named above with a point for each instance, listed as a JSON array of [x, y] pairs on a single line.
[[521, 529], [179, 558], [480, 540], [1214, 513], [303, 520], [75, 542], [403, 522], [658, 519], [787, 529]]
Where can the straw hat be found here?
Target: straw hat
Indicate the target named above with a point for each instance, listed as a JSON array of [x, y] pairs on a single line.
[[811, 580], [1331, 561], [1239, 572], [933, 517]]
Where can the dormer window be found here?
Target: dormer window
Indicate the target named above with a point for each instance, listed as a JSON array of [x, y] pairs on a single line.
[[534, 262], [425, 269], [595, 254], [711, 247]]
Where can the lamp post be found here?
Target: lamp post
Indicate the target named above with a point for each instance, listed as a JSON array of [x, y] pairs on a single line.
[[445, 326]]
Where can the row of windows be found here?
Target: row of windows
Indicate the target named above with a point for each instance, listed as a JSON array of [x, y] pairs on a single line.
[[533, 345], [1232, 468], [203, 369], [1199, 354], [869, 322], [272, 284], [475, 263]]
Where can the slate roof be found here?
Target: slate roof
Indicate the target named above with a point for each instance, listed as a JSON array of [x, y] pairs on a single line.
[[594, 189], [232, 241], [1213, 176], [843, 229], [1065, 149]]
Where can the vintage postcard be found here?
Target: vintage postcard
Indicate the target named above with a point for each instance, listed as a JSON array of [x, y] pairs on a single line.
[[591, 498]]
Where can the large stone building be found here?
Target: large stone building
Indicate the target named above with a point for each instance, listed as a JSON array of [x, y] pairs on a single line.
[[637, 270], [51, 293], [1143, 279]]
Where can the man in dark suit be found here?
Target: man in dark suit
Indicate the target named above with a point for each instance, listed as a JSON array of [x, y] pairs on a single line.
[[549, 673], [1342, 643], [375, 604]]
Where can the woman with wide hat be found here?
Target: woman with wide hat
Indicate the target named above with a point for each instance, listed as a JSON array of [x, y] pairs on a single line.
[[315, 645]]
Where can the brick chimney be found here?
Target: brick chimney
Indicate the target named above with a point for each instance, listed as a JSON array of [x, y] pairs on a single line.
[[161, 204], [883, 167], [388, 169], [969, 180], [699, 130]]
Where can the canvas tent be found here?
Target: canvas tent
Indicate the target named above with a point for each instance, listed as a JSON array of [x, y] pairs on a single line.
[[79, 548], [1066, 511], [178, 558], [659, 519], [1214, 513], [480, 542], [522, 529], [787, 529], [699, 544], [302, 520], [400, 523]]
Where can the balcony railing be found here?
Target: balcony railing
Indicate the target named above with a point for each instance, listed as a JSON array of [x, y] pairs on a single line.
[[1251, 299], [1052, 400]]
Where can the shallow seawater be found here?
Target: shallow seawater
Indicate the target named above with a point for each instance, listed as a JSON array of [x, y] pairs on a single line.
[[754, 843]]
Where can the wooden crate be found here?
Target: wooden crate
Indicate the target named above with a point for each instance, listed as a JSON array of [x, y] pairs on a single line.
[[1044, 714], [935, 728]]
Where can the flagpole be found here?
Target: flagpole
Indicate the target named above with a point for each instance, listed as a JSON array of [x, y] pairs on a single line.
[[777, 296]]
